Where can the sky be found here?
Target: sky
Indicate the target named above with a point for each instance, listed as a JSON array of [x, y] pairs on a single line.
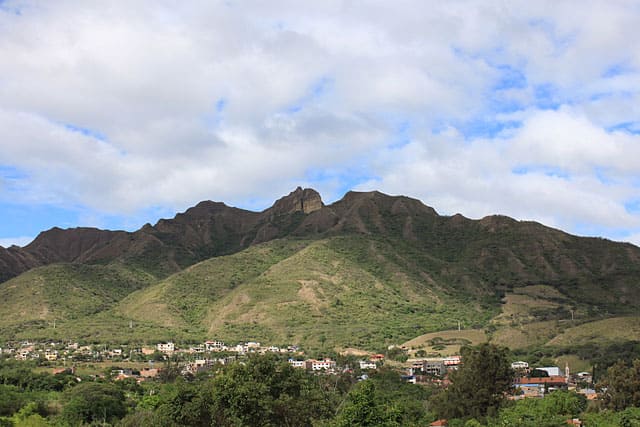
[[118, 113]]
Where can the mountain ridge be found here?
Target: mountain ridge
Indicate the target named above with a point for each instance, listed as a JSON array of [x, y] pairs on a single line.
[[376, 268], [213, 228]]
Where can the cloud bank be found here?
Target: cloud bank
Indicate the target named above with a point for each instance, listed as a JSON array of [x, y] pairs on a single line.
[[529, 109]]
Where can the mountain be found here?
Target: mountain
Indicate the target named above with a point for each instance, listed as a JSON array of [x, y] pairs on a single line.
[[365, 271], [205, 230]]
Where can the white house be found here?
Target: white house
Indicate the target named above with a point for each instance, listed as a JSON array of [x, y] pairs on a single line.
[[452, 361], [553, 371], [325, 364], [367, 364], [298, 363], [51, 355], [168, 347], [214, 345], [519, 365]]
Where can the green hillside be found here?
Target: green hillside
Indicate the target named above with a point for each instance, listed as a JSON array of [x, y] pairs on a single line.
[[68, 294], [335, 291], [364, 272]]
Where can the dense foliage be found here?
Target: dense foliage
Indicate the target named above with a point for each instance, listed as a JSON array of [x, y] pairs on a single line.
[[479, 387], [266, 391], [621, 386]]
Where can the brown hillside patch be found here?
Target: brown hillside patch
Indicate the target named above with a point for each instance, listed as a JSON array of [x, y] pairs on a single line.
[[350, 351], [309, 293], [521, 336], [452, 340], [233, 307], [521, 305]]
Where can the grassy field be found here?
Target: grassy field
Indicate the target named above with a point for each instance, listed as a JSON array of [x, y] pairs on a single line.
[[575, 363], [613, 329], [527, 335], [98, 368], [445, 342]]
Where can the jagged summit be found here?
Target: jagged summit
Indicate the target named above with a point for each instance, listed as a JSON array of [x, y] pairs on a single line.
[[305, 200]]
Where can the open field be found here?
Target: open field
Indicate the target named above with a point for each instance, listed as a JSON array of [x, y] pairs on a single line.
[[613, 329], [526, 335], [445, 342]]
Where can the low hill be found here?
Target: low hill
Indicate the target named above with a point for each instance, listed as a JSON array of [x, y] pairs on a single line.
[[67, 294]]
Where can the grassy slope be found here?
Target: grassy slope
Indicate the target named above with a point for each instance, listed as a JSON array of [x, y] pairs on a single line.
[[352, 292], [612, 329], [70, 294], [445, 342], [182, 299], [348, 291]]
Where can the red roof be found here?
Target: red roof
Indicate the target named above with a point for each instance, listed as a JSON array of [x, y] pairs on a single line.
[[439, 423], [554, 379]]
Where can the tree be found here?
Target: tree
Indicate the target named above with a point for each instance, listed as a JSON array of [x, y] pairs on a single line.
[[361, 409], [29, 416], [479, 387], [552, 411], [621, 386], [267, 392], [182, 403], [89, 402]]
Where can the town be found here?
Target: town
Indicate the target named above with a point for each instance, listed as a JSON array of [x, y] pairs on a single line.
[[146, 370], [198, 358]]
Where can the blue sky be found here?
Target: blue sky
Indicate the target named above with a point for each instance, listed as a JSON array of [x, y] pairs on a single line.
[[117, 114]]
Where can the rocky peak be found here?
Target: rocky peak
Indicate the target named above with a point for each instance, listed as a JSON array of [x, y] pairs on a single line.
[[300, 200]]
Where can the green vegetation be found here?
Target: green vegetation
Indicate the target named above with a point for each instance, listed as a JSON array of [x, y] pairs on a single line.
[[366, 272], [552, 411], [354, 291], [621, 386], [69, 294], [262, 391], [266, 391], [448, 342], [479, 387]]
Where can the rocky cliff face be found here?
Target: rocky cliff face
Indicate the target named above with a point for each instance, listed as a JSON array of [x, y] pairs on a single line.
[[300, 200]]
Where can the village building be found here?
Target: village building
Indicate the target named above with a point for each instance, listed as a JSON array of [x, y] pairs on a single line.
[[214, 345], [167, 348], [323, 365], [299, 364], [367, 364], [520, 366], [452, 362], [51, 355], [553, 371]]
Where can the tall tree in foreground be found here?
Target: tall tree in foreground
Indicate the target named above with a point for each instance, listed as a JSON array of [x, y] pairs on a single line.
[[362, 409], [479, 387], [621, 386]]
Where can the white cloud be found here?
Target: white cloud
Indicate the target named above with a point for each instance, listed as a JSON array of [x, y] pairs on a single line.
[[544, 171], [241, 101]]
